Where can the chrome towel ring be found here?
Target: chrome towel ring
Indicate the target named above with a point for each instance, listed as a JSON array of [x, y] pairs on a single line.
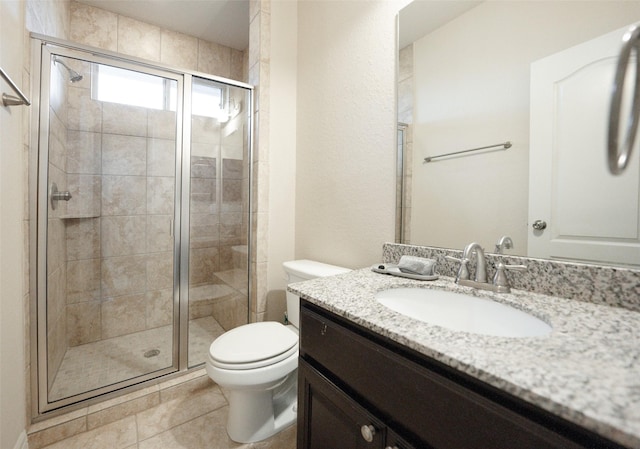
[[617, 156]]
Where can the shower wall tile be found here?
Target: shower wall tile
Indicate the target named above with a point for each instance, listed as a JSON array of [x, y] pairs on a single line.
[[158, 235], [83, 280], [83, 323], [230, 234], [86, 192], [84, 114], [214, 58], [94, 26], [203, 265], [124, 119], [203, 167], [204, 150], [84, 152], [124, 195], [232, 168], [160, 270], [160, 195], [204, 226], [205, 130], [123, 275], [56, 345], [159, 308], [231, 312], [179, 50], [237, 70], [83, 238], [138, 38], [203, 189], [56, 294], [161, 124], [56, 254], [58, 91], [123, 235], [57, 142], [123, 315], [231, 192], [161, 157], [124, 155]]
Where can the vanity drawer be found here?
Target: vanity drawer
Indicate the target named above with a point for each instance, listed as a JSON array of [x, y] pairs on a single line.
[[428, 406]]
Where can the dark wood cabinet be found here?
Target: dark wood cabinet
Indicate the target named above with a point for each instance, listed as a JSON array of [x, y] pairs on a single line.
[[351, 378]]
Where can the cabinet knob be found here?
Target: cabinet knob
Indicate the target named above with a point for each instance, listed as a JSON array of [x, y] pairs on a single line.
[[368, 432]]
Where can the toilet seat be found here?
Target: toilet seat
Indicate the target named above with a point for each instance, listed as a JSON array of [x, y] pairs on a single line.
[[253, 346]]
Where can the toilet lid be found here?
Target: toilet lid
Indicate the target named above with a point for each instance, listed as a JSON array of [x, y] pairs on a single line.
[[252, 343]]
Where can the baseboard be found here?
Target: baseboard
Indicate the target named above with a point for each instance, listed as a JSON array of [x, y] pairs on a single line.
[[22, 442]]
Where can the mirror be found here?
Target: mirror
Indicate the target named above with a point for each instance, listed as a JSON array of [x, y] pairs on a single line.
[[464, 82]]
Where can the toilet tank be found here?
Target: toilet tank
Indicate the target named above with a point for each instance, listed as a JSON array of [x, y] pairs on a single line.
[[302, 270]]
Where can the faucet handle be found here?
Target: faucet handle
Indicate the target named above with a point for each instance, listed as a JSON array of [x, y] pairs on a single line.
[[500, 280], [463, 271]]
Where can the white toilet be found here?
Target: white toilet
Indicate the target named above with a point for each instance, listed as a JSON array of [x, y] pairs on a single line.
[[256, 365]]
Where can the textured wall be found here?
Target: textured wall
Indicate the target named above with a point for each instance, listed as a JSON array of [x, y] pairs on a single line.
[[345, 195], [12, 378]]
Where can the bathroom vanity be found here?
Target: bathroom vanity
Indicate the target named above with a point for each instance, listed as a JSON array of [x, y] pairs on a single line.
[[372, 378]]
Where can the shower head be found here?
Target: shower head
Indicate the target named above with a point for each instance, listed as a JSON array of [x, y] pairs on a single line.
[[74, 76]]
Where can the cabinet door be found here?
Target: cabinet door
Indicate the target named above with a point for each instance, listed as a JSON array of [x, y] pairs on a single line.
[[329, 419], [394, 441]]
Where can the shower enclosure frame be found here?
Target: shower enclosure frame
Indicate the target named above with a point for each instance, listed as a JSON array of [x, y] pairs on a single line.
[[43, 47]]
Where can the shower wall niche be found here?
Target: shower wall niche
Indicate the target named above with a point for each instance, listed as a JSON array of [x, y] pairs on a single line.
[[143, 206]]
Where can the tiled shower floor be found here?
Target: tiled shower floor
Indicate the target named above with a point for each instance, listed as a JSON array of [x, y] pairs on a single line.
[[105, 362]]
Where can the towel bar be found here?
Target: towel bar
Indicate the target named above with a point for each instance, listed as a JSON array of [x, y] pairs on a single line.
[[504, 145], [10, 100]]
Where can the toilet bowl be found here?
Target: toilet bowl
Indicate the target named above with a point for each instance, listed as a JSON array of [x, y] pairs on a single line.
[[256, 365]]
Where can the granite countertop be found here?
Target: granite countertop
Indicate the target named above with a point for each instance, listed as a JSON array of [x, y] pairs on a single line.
[[587, 370]]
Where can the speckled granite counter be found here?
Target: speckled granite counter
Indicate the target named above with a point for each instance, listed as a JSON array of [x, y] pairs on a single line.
[[586, 371]]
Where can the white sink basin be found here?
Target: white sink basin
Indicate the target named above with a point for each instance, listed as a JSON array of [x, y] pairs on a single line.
[[460, 312]]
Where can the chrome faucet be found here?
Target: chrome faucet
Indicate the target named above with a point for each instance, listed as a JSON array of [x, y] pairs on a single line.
[[481, 263], [505, 242], [500, 282]]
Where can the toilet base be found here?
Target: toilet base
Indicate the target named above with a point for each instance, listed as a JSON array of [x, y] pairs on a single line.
[[256, 415]]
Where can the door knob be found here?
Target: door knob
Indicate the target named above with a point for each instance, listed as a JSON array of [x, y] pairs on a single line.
[[539, 225], [368, 432]]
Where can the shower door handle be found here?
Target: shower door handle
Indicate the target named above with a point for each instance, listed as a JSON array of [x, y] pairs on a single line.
[[56, 195], [64, 196]]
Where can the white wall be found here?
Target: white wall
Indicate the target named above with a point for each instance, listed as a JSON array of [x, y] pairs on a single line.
[[12, 179], [345, 195], [472, 89], [282, 149]]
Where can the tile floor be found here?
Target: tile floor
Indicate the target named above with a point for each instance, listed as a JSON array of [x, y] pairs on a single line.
[[190, 415]]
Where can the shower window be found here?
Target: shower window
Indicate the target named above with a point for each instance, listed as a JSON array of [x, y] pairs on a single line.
[[128, 87], [122, 86]]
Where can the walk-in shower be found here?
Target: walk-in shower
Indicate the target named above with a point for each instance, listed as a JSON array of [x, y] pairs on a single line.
[[141, 181]]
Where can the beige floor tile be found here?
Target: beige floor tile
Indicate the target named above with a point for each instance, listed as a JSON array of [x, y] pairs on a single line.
[[205, 432], [179, 411], [119, 411], [283, 440], [118, 435], [59, 432]]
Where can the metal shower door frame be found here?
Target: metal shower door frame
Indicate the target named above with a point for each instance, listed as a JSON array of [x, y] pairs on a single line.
[[43, 49]]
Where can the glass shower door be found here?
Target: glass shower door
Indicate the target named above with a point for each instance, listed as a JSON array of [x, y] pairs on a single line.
[[219, 213], [111, 188]]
